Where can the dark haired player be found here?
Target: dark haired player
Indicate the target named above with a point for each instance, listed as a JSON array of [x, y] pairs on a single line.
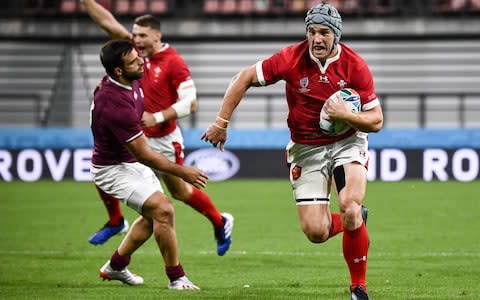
[[170, 94]]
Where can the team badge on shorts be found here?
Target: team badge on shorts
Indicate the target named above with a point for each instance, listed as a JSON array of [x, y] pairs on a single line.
[[296, 172], [362, 154]]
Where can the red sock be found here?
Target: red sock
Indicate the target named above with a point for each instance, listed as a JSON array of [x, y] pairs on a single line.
[[112, 205], [119, 262], [355, 252], [336, 226], [200, 201]]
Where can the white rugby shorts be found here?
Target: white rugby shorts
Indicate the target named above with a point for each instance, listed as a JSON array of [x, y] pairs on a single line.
[[132, 183], [170, 146], [311, 166]]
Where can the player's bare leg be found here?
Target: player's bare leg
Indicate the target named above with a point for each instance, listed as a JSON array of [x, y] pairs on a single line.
[[315, 221], [116, 267], [158, 219], [201, 202]]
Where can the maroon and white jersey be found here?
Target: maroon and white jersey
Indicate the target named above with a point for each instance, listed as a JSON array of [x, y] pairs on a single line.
[[116, 112], [309, 85], [163, 73]]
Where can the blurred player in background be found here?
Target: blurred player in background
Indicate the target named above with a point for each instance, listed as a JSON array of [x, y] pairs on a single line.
[[170, 94], [314, 70], [120, 158]]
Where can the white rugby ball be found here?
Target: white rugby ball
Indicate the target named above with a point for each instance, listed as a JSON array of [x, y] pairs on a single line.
[[336, 127]]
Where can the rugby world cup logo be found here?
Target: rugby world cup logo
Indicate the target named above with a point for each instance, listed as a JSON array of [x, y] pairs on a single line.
[[303, 85]]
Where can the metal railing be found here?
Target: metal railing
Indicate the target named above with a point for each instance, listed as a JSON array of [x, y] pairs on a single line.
[[18, 111]]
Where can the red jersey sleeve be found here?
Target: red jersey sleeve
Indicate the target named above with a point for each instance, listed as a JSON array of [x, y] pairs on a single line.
[[277, 66], [363, 83], [179, 71]]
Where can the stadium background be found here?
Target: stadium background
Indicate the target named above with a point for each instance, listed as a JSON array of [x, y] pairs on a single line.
[[425, 56]]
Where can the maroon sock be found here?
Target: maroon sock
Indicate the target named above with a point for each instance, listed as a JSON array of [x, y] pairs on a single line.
[[174, 272], [119, 262]]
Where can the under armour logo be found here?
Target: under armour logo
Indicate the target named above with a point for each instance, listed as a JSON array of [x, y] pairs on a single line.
[[359, 260], [323, 79]]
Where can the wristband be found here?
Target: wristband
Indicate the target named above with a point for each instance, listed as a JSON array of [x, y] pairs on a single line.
[[159, 117], [222, 119], [218, 126]]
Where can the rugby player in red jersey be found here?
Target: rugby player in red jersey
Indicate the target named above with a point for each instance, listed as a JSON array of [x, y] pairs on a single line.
[[313, 70]]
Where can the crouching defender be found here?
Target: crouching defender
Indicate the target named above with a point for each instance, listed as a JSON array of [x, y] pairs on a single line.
[[120, 166]]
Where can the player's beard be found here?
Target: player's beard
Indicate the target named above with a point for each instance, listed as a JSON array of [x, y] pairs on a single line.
[[133, 75]]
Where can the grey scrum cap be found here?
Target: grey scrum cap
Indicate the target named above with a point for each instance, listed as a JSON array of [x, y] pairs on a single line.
[[326, 14]]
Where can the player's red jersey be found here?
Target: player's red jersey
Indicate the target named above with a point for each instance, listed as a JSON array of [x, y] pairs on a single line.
[[309, 85], [115, 121], [163, 73]]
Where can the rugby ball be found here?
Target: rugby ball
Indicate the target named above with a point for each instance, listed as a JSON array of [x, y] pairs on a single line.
[[336, 127]]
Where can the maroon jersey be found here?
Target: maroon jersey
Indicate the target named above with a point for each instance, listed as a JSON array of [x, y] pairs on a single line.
[[163, 73], [116, 112], [309, 85]]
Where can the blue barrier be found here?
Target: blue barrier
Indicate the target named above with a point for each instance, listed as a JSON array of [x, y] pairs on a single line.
[[61, 138]]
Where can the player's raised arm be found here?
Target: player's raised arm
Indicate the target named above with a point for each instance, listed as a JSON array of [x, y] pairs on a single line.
[[105, 19], [216, 133]]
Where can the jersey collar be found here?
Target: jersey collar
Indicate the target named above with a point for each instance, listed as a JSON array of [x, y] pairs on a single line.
[[323, 68], [119, 84]]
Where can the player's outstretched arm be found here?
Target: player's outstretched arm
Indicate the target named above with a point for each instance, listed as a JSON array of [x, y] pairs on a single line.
[[143, 153], [105, 20], [216, 133]]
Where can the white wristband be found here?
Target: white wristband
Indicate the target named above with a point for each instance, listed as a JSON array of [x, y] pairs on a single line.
[[218, 126], [222, 119], [159, 117]]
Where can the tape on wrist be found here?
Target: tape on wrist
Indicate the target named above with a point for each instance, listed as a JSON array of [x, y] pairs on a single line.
[[159, 117]]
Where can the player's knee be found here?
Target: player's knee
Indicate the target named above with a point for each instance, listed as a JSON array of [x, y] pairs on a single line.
[[164, 211], [349, 196], [316, 234], [350, 213]]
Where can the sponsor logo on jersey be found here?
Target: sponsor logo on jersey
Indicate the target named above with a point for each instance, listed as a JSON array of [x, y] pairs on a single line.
[[323, 79]]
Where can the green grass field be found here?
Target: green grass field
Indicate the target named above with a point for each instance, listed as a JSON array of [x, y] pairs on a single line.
[[425, 245]]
